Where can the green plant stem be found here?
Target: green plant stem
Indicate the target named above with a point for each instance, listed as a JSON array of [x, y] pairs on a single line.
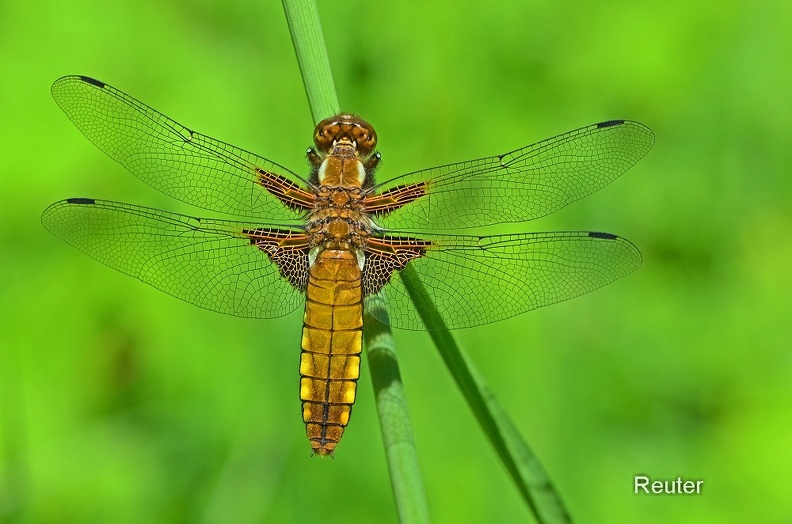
[[308, 40], [406, 483], [523, 466], [395, 426]]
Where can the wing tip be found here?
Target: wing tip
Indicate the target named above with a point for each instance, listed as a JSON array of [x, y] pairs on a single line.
[[599, 235], [629, 123]]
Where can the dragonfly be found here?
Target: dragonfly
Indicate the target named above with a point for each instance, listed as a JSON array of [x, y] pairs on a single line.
[[336, 239]]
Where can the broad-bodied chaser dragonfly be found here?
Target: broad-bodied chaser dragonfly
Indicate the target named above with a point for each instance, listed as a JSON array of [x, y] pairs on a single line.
[[337, 238]]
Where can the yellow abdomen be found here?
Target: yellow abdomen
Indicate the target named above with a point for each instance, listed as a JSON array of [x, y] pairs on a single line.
[[331, 345]]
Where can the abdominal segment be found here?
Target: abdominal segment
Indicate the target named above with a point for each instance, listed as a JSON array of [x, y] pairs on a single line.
[[331, 346]]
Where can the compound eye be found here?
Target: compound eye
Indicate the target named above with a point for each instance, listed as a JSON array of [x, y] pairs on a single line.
[[324, 134], [366, 138]]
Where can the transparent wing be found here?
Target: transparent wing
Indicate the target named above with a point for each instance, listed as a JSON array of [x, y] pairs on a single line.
[[518, 186], [474, 280], [214, 264], [176, 160]]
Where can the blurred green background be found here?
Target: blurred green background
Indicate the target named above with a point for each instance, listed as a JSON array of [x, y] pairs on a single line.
[[121, 404]]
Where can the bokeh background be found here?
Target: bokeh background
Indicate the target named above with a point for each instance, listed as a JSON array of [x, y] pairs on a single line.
[[121, 404]]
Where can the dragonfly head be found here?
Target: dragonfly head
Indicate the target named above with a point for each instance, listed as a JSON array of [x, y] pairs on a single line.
[[345, 128]]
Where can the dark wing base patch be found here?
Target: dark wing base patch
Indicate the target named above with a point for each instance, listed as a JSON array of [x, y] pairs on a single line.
[[385, 256], [287, 250]]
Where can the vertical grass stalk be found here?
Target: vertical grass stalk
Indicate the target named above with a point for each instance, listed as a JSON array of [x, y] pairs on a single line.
[[306, 31], [525, 469]]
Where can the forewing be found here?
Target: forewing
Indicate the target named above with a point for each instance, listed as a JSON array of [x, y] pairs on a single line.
[[174, 159], [230, 267], [475, 280], [514, 187]]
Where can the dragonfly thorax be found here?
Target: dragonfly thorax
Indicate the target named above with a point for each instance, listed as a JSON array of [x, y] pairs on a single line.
[[342, 168], [338, 220]]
